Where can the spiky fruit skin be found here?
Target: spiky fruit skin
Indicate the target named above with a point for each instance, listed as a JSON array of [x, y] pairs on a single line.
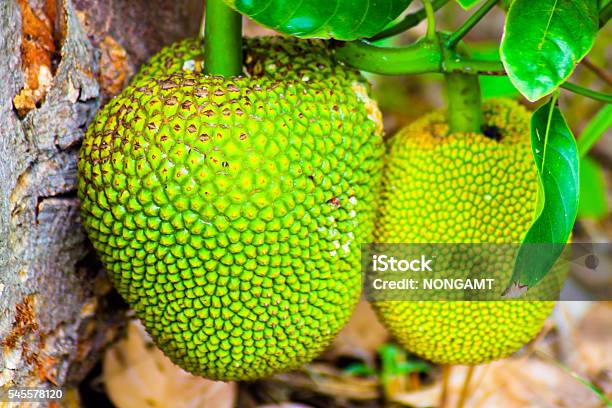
[[461, 188], [229, 212]]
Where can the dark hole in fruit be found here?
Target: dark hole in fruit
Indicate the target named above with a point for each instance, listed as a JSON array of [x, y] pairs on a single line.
[[492, 132]]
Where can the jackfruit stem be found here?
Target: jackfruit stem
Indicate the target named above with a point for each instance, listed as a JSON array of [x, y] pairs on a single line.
[[222, 40], [418, 58], [464, 103]]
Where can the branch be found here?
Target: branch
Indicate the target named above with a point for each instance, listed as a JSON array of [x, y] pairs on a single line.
[[431, 20], [470, 23], [464, 65], [409, 21], [599, 72], [427, 56], [418, 58], [577, 89]]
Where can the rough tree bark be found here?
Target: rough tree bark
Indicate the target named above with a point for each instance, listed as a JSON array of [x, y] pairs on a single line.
[[59, 60]]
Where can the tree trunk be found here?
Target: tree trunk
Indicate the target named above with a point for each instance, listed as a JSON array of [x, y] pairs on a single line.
[[59, 60]]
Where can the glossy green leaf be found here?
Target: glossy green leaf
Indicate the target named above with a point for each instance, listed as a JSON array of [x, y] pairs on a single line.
[[467, 4], [556, 157], [593, 202], [544, 40], [340, 19]]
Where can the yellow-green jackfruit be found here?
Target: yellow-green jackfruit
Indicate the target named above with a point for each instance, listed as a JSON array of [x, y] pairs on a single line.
[[461, 188], [229, 212]]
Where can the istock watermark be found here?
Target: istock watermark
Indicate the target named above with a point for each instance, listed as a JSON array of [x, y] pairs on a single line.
[[425, 272], [383, 263]]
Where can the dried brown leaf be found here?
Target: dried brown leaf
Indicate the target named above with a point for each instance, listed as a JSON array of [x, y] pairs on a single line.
[[138, 374], [285, 405], [325, 379]]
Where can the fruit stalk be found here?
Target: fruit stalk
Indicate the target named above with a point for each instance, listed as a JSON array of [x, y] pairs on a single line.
[[464, 103], [222, 40], [421, 57], [428, 56], [418, 58]]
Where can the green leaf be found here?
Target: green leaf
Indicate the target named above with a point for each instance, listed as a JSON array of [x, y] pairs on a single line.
[[345, 20], [595, 128], [467, 4], [556, 157], [594, 388], [394, 362], [409, 367], [359, 369], [389, 357], [593, 202], [544, 40]]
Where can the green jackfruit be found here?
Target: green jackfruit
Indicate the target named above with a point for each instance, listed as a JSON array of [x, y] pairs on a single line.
[[229, 212], [462, 188]]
